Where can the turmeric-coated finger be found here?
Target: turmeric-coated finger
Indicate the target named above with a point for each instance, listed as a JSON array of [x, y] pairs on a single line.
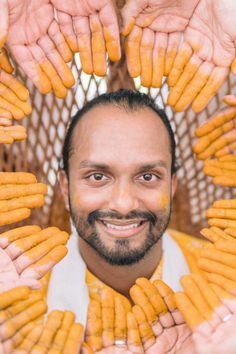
[[132, 51], [231, 232], [191, 315], [230, 100], [17, 178], [188, 72], [218, 119], [227, 181], [219, 256], [218, 268], [145, 330], [16, 112], [8, 191], [193, 292], [133, 335], [74, 340], [194, 86], [233, 66], [5, 63], [146, 53], [9, 297], [229, 157], [8, 328], [108, 316], [16, 132], [153, 295], [10, 217], [139, 298], [112, 41], [120, 319], [226, 246], [210, 235], [222, 223], [40, 268], [31, 339], [183, 56], [93, 334], [166, 293], [98, 46], [9, 236], [56, 82], [221, 233], [60, 42], [11, 97], [31, 201], [15, 85], [5, 138], [16, 340], [228, 149], [221, 213], [222, 281], [158, 59], [220, 292], [171, 51], [63, 333], [225, 203], [213, 84]]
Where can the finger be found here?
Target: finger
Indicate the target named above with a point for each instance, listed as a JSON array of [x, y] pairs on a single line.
[[30, 340], [17, 178], [16, 113], [228, 157], [226, 298], [15, 85], [83, 33], [10, 327], [93, 335], [10, 96], [219, 256], [32, 201], [23, 244], [74, 340], [233, 66], [146, 53], [5, 62], [56, 60], [132, 51], [16, 132], [10, 191], [191, 315], [10, 217], [214, 234], [50, 329], [139, 298], [227, 284], [226, 181], [221, 213], [171, 51], [194, 86], [66, 27], [192, 291], [228, 149], [85, 349], [120, 320], [60, 42], [217, 120], [145, 330], [5, 138], [159, 51], [213, 84], [63, 333], [183, 56], [40, 268], [98, 46], [129, 12], [110, 31], [133, 335], [230, 99], [9, 236], [16, 340], [218, 268], [188, 73], [45, 65], [9, 297], [222, 223], [226, 246], [38, 252], [153, 295], [231, 232], [5, 114], [31, 68], [4, 22], [108, 317]]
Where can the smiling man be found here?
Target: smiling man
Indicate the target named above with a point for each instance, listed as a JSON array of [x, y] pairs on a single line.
[[118, 181]]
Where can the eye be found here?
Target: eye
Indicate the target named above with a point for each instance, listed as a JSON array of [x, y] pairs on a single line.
[[97, 177], [148, 177]]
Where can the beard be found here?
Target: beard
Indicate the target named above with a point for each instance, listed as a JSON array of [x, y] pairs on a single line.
[[121, 253]]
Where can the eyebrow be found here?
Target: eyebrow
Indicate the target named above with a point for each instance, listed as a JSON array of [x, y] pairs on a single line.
[[148, 166]]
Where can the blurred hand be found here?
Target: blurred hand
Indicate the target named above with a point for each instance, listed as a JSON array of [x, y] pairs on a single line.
[[38, 46], [28, 253], [90, 27]]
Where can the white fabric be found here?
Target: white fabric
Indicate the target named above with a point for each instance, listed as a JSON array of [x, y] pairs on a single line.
[[68, 290]]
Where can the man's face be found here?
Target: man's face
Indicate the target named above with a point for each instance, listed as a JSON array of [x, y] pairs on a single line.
[[120, 186]]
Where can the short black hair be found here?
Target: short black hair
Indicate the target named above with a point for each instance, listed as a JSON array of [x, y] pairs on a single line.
[[129, 101]]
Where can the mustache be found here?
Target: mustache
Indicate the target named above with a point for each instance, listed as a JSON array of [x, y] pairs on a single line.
[[134, 214]]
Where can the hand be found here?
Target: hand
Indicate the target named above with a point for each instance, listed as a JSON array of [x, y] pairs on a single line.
[[211, 314], [90, 27], [4, 22], [27, 253], [19, 309], [60, 333], [150, 50], [38, 46], [203, 62], [19, 192], [162, 328]]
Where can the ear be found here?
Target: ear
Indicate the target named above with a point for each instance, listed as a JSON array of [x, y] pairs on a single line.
[[174, 184], [64, 186]]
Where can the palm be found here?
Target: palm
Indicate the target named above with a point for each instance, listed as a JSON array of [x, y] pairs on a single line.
[[115, 350]]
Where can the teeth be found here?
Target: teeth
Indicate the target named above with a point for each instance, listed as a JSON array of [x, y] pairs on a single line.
[[116, 227]]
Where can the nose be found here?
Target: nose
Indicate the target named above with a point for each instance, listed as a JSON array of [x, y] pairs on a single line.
[[123, 198]]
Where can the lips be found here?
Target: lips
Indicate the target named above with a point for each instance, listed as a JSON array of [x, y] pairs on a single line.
[[122, 229]]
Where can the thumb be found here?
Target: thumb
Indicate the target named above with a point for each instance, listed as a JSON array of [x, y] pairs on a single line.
[[4, 21]]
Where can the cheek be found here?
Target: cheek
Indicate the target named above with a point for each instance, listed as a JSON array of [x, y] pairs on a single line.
[[165, 200], [86, 200]]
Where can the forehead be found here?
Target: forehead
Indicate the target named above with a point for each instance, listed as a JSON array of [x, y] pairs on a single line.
[[110, 132]]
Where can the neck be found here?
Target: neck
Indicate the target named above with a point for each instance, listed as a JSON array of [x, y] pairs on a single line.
[[120, 278]]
